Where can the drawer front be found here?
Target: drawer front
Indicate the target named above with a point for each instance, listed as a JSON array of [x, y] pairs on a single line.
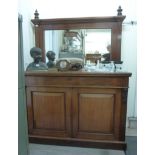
[[77, 81]]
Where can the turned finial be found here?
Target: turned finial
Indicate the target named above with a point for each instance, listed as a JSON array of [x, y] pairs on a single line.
[[36, 15], [119, 11]]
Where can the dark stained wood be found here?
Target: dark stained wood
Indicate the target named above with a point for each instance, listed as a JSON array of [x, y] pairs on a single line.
[[97, 113], [112, 22], [119, 10], [77, 73], [116, 42], [77, 20], [39, 40], [117, 145], [77, 79], [123, 113], [94, 109], [49, 111], [36, 15], [77, 107]]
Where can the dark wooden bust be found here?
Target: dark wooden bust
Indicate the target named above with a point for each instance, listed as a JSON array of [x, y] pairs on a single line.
[[36, 54], [51, 57]]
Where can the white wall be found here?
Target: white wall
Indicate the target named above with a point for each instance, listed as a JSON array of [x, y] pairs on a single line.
[[129, 57], [24, 8], [81, 8]]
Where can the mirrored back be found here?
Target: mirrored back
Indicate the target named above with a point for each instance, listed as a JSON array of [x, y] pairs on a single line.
[[79, 37], [77, 42]]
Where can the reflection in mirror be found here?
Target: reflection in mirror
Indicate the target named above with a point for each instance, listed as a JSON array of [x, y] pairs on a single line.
[[53, 41], [97, 40], [81, 43]]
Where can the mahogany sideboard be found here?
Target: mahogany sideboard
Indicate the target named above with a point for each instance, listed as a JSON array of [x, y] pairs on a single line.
[[77, 108]]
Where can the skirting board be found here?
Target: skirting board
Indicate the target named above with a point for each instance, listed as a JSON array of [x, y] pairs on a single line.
[[116, 145]]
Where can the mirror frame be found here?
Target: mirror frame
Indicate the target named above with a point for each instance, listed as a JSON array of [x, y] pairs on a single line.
[[109, 22]]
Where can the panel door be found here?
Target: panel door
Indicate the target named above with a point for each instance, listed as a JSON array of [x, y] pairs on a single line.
[[96, 113], [49, 111]]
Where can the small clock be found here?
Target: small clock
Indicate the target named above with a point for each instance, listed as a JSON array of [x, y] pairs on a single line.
[[63, 65], [72, 64]]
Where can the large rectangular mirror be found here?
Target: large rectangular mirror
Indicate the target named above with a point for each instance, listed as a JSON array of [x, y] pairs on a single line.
[[80, 37], [78, 42]]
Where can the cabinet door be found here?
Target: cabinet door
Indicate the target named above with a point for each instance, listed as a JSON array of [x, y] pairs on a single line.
[[49, 111], [96, 113]]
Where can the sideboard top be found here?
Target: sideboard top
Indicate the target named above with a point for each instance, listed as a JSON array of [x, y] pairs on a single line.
[[77, 73]]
